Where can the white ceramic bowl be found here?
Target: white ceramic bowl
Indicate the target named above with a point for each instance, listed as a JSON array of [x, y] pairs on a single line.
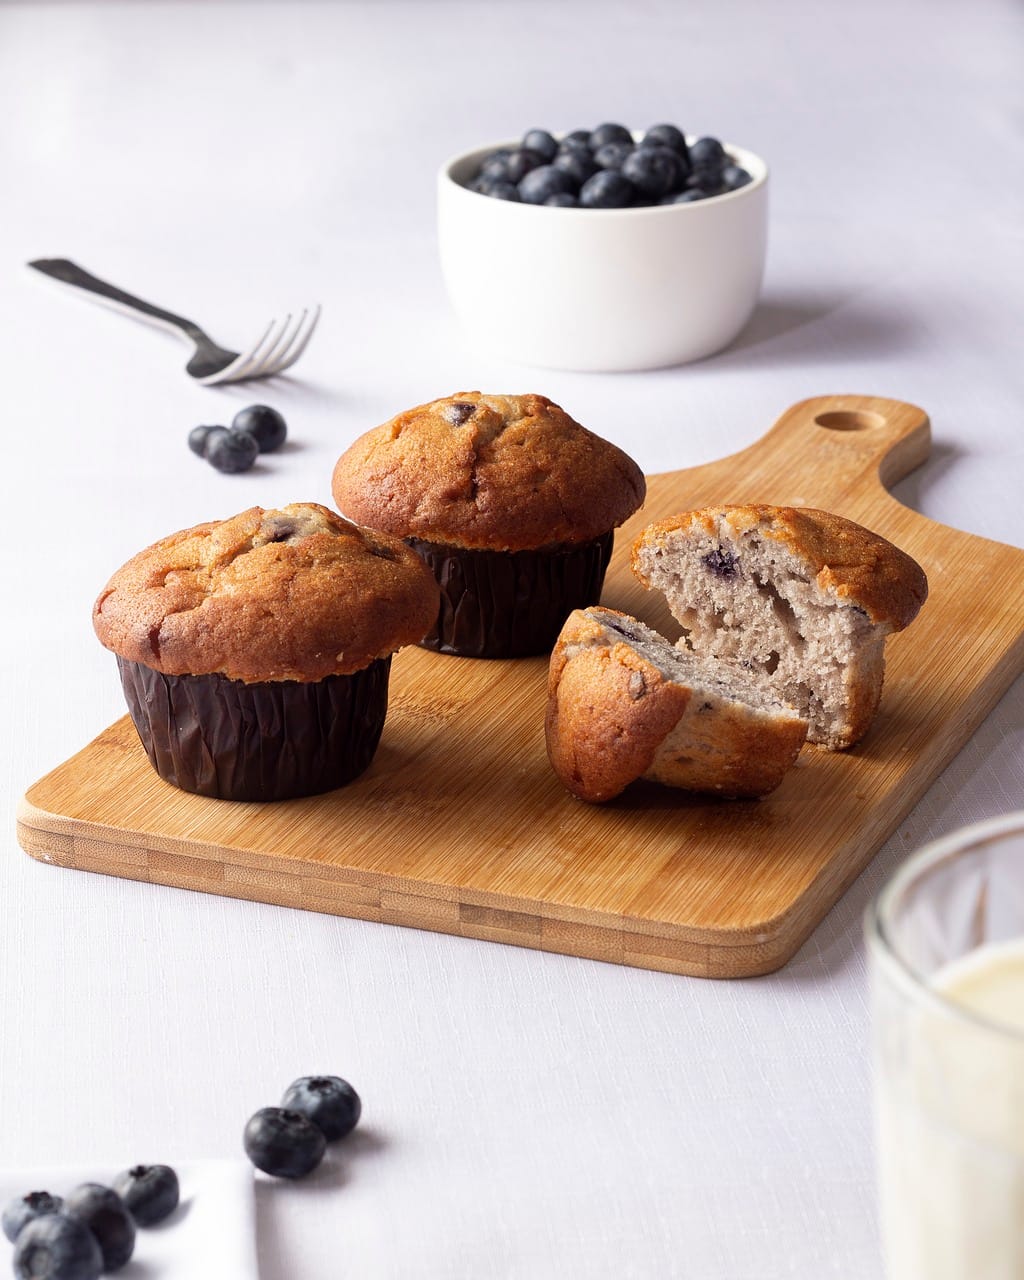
[[602, 289]]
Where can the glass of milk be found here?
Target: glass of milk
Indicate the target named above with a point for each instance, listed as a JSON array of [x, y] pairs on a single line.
[[946, 949]]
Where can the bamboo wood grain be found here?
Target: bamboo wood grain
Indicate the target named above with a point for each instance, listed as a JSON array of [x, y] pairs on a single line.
[[460, 826]]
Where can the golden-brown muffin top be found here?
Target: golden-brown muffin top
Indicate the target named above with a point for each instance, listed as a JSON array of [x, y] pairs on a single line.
[[291, 594], [847, 561], [506, 473]]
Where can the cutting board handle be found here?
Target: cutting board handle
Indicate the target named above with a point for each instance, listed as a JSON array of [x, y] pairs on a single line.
[[850, 438], [836, 453]]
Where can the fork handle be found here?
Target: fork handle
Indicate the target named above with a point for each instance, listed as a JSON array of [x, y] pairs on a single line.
[[68, 273]]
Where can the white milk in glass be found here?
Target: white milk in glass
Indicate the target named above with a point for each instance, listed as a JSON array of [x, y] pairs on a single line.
[[950, 1121]]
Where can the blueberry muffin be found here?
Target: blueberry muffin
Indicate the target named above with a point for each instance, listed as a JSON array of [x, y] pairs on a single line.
[[255, 651], [511, 503], [624, 703], [799, 600]]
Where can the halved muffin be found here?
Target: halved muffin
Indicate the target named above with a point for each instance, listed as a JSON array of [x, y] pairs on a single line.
[[799, 600]]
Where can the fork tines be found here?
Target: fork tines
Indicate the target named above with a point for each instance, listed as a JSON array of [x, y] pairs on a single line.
[[278, 348]]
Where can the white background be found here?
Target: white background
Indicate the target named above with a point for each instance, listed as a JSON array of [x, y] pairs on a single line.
[[526, 1115]]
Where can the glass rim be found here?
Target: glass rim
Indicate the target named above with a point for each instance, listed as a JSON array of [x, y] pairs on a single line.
[[877, 914]]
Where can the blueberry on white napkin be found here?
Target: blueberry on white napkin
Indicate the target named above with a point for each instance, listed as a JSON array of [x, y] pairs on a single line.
[[211, 1233]]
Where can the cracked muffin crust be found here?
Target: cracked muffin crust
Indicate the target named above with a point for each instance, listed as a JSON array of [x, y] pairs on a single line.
[[495, 472], [511, 503], [290, 594], [799, 600], [255, 652]]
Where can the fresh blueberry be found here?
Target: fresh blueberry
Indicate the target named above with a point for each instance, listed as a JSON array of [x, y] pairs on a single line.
[[569, 146], [612, 154], [688, 196], [520, 162], [542, 142], [733, 177], [579, 165], [662, 169], [493, 169], [283, 1143], [654, 171], [57, 1247], [232, 452], [17, 1213], [721, 563], [707, 153], [665, 135], [708, 180], [102, 1210], [607, 189], [199, 438], [496, 158], [330, 1102], [150, 1192], [501, 191], [605, 133], [265, 425], [543, 182]]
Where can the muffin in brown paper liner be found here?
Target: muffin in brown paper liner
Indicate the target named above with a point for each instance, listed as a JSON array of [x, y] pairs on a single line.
[[510, 501], [510, 604], [276, 740], [255, 651]]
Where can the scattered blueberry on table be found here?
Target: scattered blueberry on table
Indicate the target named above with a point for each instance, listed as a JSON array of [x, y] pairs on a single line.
[[150, 1192], [199, 437], [92, 1230], [102, 1210], [264, 424], [330, 1102], [231, 451], [283, 1143], [57, 1246], [20, 1212], [254, 430], [606, 168], [289, 1141]]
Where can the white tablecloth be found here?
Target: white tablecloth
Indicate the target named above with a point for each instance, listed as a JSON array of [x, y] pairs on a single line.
[[526, 1115]]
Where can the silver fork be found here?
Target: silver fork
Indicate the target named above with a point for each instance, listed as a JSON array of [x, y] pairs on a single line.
[[280, 345]]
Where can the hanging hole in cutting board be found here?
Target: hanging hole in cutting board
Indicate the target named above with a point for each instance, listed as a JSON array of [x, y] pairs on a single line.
[[849, 420]]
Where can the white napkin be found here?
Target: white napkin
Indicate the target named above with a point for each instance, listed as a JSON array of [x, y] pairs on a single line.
[[211, 1233]]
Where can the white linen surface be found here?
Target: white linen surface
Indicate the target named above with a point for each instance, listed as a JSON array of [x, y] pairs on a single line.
[[526, 1115]]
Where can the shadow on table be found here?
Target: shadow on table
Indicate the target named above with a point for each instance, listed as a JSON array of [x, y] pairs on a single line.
[[912, 490], [279, 1198], [301, 392], [794, 322]]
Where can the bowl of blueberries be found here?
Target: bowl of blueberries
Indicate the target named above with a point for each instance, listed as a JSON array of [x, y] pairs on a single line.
[[604, 249]]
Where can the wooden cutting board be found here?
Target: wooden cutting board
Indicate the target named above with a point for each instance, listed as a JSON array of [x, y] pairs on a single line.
[[460, 826]]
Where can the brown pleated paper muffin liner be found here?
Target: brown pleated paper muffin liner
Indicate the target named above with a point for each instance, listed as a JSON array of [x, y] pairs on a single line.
[[510, 604], [275, 740]]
